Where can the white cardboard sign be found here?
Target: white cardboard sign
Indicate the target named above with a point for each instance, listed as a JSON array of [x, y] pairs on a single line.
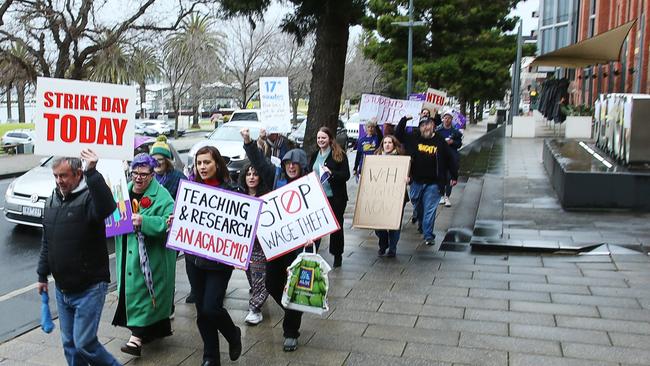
[[435, 99], [387, 110], [214, 223], [73, 115], [275, 105], [293, 214]]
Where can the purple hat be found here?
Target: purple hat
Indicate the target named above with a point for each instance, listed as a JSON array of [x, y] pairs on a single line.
[[144, 159]]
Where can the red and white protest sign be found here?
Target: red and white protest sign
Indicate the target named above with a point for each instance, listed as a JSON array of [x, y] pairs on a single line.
[[73, 115], [435, 99], [293, 214], [387, 110], [214, 223]]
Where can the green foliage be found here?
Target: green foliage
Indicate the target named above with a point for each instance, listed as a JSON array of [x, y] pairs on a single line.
[[461, 48]]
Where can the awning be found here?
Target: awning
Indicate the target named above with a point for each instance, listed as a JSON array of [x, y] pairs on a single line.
[[600, 49]]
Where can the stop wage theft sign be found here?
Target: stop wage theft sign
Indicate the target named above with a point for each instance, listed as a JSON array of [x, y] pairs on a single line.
[[293, 214]]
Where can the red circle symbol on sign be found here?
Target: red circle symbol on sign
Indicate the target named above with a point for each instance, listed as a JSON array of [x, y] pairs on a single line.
[[291, 201]]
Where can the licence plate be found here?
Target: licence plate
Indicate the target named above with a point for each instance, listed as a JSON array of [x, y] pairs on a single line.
[[31, 211]]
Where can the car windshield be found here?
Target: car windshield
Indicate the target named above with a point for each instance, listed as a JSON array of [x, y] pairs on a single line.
[[231, 133], [244, 116]]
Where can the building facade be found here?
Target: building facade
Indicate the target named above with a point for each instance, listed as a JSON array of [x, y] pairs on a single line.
[[630, 74]]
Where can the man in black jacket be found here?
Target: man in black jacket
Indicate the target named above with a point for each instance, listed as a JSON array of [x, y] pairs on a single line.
[[74, 251], [431, 161]]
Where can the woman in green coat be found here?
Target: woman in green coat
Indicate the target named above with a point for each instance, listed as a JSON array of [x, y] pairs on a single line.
[[146, 269]]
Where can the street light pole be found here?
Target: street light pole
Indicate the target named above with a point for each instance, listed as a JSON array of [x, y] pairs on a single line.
[[409, 68]]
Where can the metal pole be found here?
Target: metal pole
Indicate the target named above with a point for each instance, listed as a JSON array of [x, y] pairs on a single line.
[[516, 75], [409, 72]]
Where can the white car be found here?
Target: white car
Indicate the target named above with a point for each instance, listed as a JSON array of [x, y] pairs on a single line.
[[154, 127], [352, 125], [17, 137], [25, 198], [251, 115], [227, 139]]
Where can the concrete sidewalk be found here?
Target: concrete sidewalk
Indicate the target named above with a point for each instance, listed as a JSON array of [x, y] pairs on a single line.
[[429, 307]]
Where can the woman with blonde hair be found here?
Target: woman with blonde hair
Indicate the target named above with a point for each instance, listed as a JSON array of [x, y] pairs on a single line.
[[331, 164]]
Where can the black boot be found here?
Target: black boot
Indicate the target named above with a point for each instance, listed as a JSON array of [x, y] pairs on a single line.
[[338, 260]]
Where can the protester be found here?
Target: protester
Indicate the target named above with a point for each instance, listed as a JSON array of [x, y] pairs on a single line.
[[169, 178], [431, 161], [278, 144], [367, 145], [146, 269], [74, 251], [294, 166], [165, 173], [454, 139], [209, 279], [254, 185], [388, 238], [331, 164]]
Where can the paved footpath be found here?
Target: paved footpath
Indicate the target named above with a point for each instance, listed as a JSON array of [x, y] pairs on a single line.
[[429, 307]]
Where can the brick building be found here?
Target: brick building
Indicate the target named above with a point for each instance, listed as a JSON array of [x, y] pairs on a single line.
[[630, 75]]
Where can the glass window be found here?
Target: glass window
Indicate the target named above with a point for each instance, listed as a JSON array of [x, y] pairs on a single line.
[[561, 36], [563, 10], [592, 7], [549, 12], [592, 24], [546, 41]]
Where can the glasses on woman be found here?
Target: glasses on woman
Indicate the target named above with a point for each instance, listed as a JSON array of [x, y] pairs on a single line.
[[140, 175]]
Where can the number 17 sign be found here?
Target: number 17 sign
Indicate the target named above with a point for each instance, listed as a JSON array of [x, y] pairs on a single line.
[[274, 102]]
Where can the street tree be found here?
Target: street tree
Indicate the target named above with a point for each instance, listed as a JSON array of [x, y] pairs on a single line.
[[143, 66], [249, 54], [15, 64], [362, 74], [462, 47], [293, 60], [110, 65], [200, 46], [330, 21], [64, 36]]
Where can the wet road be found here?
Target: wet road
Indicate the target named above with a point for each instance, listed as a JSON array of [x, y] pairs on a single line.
[[19, 251]]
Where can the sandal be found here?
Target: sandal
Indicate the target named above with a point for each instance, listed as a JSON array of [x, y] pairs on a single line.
[[133, 347]]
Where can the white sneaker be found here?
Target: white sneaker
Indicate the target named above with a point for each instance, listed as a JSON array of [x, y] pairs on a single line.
[[442, 200], [447, 201], [254, 318]]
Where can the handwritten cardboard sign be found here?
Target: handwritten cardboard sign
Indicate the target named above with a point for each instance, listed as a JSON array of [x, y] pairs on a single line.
[[293, 214], [387, 110], [215, 224], [274, 102], [380, 199], [73, 115]]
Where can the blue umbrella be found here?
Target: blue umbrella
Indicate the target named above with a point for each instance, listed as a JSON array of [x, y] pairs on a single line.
[[46, 317]]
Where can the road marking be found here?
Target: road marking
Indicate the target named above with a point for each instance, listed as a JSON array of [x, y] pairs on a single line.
[[20, 291]]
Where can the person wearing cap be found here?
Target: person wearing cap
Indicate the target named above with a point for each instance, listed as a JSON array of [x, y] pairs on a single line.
[[367, 145], [431, 162], [165, 173], [454, 139], [292, 167]]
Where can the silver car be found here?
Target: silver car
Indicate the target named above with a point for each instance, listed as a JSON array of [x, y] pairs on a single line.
[[26, 195], [227, 139]]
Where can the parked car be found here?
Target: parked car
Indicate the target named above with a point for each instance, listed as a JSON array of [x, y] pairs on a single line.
[[246, 115], [352, 126], [154, 127], [228, 140], [298, 136], [26, 195], [20, 136]]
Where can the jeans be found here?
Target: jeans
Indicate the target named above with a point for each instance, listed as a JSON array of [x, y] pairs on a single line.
[[388, 239], [425, 199], [209, 288], [79, 315]]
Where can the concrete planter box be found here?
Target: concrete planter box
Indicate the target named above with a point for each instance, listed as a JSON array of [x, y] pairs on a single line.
[[523, 127], [577, 127]]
